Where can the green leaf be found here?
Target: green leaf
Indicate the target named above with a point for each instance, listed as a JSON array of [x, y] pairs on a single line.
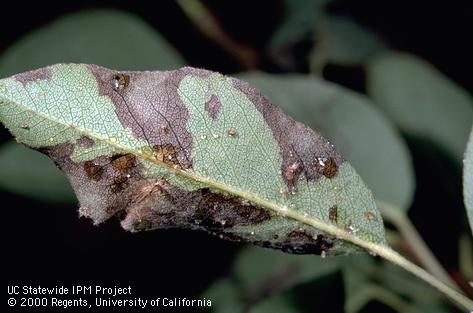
[[468, 179], [364, 277], [108, 37], [192, 148], [347, 42], [32, 174], [353, 124], [275, 303], [225, 296], [421, 100], [298, 25]]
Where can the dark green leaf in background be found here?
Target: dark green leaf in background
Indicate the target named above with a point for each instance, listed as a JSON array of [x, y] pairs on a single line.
[[110, 38], [346, 42], [29, 173], [421, 100]]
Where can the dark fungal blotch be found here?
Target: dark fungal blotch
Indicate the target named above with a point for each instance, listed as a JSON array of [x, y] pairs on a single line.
[[167, 154], [326, 166], [119, 184], [93, 170], [123, 162], [333, 213], [216, 211], [120, 81], [299, 242]]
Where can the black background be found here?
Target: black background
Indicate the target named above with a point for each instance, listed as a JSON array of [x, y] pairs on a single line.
[[48, 245]]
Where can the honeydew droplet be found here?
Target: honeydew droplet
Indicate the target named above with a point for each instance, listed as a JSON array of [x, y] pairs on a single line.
[[252, 233], [337, 188], [352, 229]]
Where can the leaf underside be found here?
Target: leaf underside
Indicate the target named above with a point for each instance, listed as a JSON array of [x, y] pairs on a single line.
[[189, 148]]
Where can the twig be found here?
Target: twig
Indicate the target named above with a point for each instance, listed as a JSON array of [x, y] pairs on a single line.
[[415, 241], [209, 26]]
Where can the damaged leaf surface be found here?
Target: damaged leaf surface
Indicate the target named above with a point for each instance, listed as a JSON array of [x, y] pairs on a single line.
[[190, 148]]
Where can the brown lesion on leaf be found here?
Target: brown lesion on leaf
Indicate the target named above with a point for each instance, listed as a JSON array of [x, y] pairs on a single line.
[[370, 216], [213, 106], [292, 171], [149, 206], [123, 162], [167, 154], [215, 211], [326, 166], [333, 213], [119, 184], [120, 81], [32, 76], [300, 242], [93, 170]]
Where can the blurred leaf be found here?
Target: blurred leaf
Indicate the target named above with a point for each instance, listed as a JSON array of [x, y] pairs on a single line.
[[355, 280], [346, 42], [110, 38], [421, 100], [362, 274], [353, 124], [421, 307], [465, 258], [276, 303], [264, 269], [299, 22], [468, 179], [30, 173], [225, 297]]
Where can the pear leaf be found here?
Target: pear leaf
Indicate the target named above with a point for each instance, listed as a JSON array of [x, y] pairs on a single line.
[[191, 148]]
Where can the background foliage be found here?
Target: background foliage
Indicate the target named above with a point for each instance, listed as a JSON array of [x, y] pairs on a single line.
[[389, 89]]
